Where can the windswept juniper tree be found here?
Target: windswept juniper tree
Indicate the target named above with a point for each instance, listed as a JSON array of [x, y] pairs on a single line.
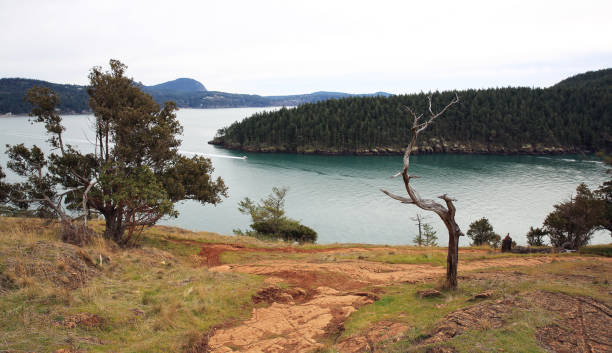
[[135, 173], [447, 214]]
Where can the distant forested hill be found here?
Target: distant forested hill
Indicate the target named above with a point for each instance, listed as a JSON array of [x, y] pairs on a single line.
[[591, 79], [185, 92], [73, 98], [180, 85], [573, 116]]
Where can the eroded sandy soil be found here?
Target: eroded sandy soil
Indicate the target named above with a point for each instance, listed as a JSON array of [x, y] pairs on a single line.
[[322, 296], [367, 273]]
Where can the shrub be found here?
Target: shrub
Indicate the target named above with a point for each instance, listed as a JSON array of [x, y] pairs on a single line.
[[481, 232], [288, 230], [269, 220], [535, 236]]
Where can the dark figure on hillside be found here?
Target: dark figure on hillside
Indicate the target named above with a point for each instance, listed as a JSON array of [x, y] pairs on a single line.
[[507, 243]]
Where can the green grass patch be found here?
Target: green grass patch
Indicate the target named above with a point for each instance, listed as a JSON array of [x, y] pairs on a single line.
[[402, 303], [177, 248], [577, 278], [435, 258], [517, 334]]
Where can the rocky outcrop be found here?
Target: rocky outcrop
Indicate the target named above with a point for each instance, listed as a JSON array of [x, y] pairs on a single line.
[[430, 146]]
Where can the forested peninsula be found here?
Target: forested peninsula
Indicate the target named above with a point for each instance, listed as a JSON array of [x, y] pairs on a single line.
[[573, 116]]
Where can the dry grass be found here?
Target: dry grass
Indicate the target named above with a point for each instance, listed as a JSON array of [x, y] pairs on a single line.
[[156, 298], [150, 299]]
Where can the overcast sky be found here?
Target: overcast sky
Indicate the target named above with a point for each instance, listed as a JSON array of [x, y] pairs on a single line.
[[284, 47]]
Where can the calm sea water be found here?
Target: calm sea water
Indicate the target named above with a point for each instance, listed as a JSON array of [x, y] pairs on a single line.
[[339, 196]]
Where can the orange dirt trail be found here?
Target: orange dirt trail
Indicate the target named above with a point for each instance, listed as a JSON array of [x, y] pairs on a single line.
[[323, 295]]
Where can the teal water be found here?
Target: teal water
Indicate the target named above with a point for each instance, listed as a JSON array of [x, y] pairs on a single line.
[[339, 196]]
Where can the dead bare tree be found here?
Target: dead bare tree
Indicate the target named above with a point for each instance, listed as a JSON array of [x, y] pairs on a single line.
[[447, 214]]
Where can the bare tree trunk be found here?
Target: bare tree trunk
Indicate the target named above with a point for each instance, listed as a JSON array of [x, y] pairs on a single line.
[[452, 260], [447, 214]]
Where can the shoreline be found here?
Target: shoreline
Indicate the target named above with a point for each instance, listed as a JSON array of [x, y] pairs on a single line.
[[25, 115], [492, 150]]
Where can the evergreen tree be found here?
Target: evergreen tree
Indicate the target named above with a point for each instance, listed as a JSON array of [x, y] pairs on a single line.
[[519, 120], [419, 240], [429, 236], [135, 175]]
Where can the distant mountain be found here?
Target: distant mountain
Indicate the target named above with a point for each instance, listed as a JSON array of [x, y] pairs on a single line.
[[590, 79], [185, 92], [178, 85]]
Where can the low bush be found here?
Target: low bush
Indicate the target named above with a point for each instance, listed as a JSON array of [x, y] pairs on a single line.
[[287, 229], [603, 250]]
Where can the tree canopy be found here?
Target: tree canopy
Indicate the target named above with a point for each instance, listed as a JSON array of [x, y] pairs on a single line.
[[500, 120], [134, 176], [573, 222]]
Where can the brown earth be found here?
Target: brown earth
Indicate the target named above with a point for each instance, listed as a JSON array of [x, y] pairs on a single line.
[[368, 273], [85, 320], [212, 252], [303, 317]]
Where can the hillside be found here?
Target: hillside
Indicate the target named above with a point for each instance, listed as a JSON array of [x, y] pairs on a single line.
[[179, 85], [194, 292], [574, 116], [185, 92], [73, 98], [590, 79]]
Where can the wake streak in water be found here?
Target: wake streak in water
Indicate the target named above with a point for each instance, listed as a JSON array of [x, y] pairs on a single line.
[[211, 155]]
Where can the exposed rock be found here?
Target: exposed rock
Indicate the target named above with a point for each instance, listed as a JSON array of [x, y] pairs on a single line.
[[288, 327], [431, 146], [489, 315], [483, 295], [429, 293], [580, 324], [441, 349], [354, 345], [383, 331], [138, 312]]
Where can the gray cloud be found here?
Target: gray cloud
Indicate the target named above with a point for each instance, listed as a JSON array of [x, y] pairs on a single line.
[[279, 47]]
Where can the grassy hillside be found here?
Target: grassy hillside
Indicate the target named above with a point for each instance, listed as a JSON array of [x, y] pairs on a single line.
[[188, 291], [101, 299]]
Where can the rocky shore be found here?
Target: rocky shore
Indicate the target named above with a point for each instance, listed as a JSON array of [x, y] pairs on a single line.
[[431, 146]]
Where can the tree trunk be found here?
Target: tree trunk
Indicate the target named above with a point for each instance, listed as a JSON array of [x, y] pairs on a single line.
[[452, 260], [114, 227]]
